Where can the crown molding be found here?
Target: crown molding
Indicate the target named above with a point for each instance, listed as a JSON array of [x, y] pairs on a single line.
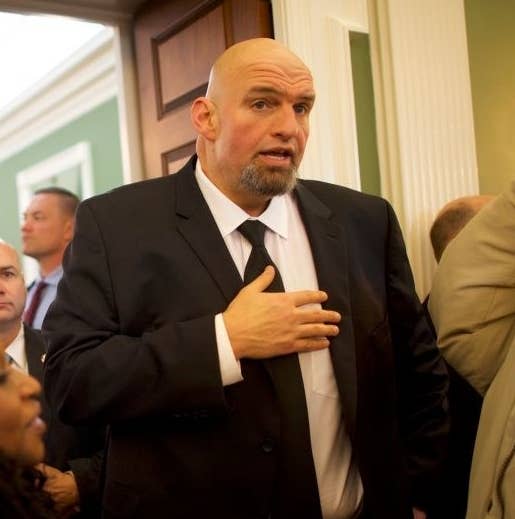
[[86, 10], [74, 88]]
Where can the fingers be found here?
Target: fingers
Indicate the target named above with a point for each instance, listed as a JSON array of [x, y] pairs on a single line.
[[299, 298], [307, 297], [318, 330], [310, 315], [261, 283], [314, 337], [311, 344]]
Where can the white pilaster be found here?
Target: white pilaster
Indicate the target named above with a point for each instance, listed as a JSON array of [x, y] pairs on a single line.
[[424, 115], [318, 32], [128, 107]]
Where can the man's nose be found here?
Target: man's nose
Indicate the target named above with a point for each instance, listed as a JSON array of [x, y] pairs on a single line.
[[287, 123]]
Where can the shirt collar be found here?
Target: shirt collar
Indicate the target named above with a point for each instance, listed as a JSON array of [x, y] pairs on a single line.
[[17, 350], [229, 216], [53, 278]]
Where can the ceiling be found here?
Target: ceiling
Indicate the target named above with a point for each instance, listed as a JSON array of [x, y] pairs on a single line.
[[106, 11]]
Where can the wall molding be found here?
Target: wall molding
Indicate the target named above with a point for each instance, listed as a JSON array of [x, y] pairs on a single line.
[[128, 105], [332, 151], [424, 115], [85, 10], [80, 84], [79, 156]]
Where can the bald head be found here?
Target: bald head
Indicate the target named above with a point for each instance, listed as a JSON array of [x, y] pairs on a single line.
[[253, 123], [7, 247], [452, 218], [12, 291], [9, 254], [238, 58]]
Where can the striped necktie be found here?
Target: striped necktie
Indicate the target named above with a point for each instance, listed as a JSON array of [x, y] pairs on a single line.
[[30, 313]]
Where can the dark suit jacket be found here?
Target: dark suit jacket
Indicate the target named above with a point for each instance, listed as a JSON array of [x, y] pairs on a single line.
[[79, 449], [132, 344], [464, 412], [35, 349]]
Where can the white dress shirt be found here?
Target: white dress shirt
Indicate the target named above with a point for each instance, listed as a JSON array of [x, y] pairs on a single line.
[[339, 483], [17, 351]]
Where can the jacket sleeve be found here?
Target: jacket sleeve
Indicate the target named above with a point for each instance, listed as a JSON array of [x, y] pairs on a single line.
[[422, 376], [96, 374], [87, 473], [472, 300]]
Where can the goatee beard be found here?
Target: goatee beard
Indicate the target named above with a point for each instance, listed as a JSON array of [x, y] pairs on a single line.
[[268, 182]]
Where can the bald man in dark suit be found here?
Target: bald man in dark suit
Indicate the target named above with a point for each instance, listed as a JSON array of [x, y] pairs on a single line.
[[324, 398]]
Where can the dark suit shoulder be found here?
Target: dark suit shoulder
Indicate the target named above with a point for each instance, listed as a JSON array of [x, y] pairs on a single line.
[[346, 202], [142, 192], [139, 195], [326, 189]]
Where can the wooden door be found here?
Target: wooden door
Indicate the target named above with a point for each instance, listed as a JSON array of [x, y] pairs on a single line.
[[176, 43]]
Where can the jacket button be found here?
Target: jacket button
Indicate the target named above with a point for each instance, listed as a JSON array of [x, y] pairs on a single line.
[[268, 445]]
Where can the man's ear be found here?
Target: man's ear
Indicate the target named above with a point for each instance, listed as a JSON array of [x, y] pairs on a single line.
[[204, 117], [69, 229]]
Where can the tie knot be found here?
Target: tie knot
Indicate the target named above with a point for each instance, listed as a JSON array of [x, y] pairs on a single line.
[[254, 231], [40, 286]]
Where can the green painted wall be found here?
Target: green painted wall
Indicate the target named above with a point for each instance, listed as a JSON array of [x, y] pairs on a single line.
[[365, 113], [491, 46], [99, 127]]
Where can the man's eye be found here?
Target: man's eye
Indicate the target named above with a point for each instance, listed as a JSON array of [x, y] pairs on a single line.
[[301, 109], [260, 105]]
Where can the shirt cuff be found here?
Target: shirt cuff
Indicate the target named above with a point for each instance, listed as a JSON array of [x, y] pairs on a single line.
[[230, 368]]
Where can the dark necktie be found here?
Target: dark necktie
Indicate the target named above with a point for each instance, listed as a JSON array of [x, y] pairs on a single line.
[[28, 316], [297, 491]]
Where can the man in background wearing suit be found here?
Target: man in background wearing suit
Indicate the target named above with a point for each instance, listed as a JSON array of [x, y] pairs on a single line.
[[47, 229], [224, 399], [464, 401], [77, 482], [473, 306]]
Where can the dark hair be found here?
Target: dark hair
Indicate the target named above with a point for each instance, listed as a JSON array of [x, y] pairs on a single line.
[[21, 492], [70, 201]]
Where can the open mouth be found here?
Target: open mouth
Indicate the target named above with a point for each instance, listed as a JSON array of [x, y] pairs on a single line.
[[281, 155]]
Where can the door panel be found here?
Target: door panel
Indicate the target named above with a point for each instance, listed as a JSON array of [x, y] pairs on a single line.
[[176, 43]]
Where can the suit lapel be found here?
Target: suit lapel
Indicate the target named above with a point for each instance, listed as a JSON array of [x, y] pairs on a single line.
[[35, 351], [329, 248], [328, 243], [198, 227]]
